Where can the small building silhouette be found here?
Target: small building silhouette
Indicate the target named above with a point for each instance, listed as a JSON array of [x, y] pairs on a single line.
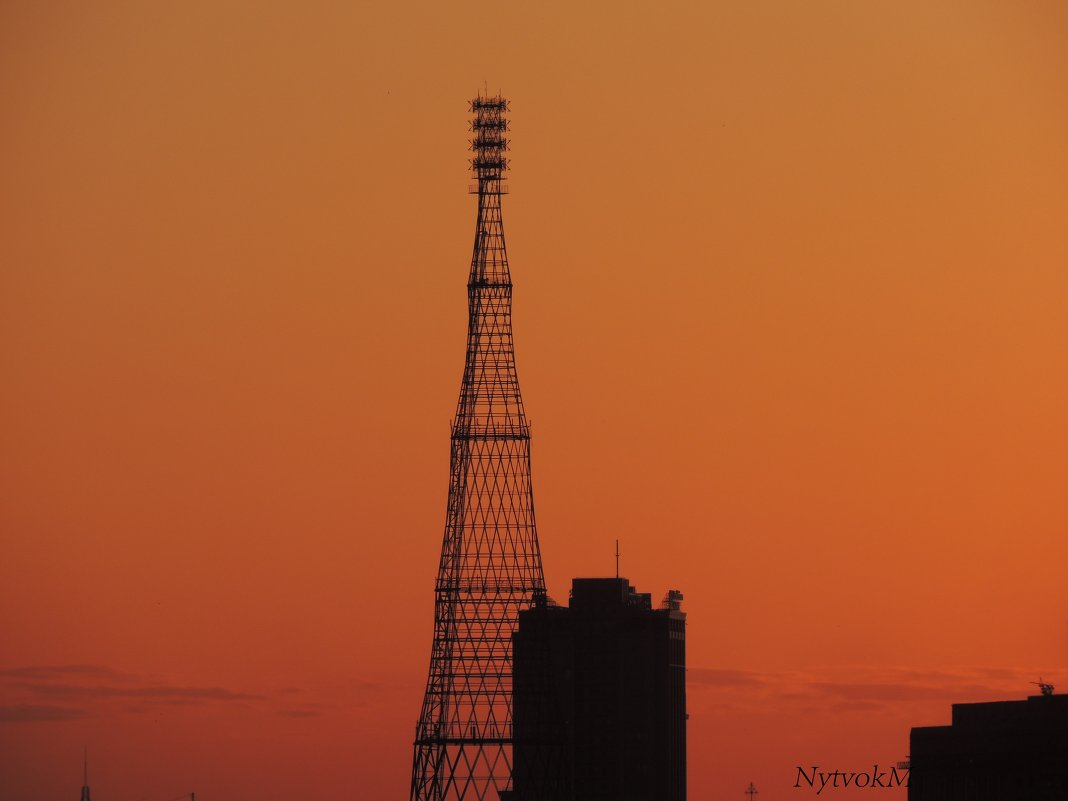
[[599, 697], [998, 751]]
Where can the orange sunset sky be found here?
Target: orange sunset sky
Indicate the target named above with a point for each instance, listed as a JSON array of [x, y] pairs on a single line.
[[791, 318]]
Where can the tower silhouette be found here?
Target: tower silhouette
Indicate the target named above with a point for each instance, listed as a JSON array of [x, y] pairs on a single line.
[[490, 566], [85, 776]]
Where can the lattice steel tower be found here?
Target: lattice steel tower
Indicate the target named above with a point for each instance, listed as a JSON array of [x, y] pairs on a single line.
[[490, 565]]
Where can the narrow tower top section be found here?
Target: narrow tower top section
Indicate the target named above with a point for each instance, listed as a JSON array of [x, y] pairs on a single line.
[[489, 142], [85, 775]]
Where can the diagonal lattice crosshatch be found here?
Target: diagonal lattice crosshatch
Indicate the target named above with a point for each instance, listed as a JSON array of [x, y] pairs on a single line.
[[490, 566]]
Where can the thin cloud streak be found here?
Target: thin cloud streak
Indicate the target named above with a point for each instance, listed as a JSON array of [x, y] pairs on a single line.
[[724, 677], [37, 713], [33, 693], [162, 693], [52, 671], [300, 713], [856, 688]]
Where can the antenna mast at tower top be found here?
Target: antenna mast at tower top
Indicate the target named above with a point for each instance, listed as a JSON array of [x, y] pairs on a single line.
[[489, 144]]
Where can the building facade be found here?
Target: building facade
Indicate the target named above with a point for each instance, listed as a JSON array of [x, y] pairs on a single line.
[[599, 698], [999, 751]]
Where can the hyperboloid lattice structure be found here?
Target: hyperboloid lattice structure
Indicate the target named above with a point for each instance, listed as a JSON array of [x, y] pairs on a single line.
[[490, 565]]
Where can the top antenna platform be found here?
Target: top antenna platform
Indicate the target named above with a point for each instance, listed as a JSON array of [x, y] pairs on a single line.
[[490, 142]]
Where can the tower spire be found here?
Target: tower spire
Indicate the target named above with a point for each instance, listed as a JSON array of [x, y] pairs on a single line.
[[490, 567], [85, 774]]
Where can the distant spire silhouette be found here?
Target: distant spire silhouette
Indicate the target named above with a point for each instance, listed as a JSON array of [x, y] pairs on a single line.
[[85, 775]]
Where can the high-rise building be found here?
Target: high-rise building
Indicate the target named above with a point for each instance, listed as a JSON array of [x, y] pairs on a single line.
[[997, 751], [490, 567], [600, 697]]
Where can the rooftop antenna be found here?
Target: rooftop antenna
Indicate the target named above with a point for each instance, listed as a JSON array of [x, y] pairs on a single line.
[[617, 558], [1044, 686], [751, 790]]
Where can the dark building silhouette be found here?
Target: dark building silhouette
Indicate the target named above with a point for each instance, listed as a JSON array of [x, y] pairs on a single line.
[[999, 751], [600, 697]]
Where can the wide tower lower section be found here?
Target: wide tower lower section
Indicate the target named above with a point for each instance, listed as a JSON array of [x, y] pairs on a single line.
[[490, 566]]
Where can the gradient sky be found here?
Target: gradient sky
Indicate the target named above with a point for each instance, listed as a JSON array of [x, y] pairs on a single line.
[[790, 315]]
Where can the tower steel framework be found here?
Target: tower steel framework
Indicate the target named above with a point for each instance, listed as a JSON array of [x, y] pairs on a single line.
[[490, 566]]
